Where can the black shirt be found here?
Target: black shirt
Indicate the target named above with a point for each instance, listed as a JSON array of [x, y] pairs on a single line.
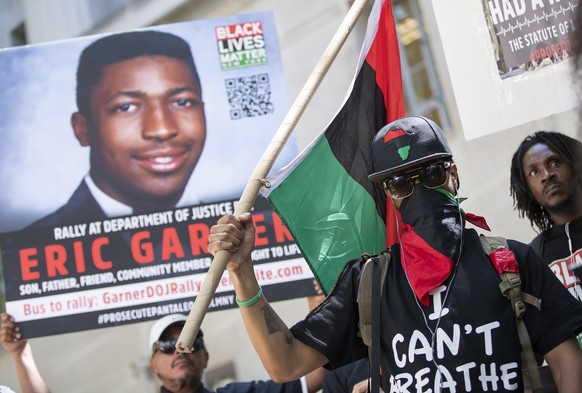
[[475, 343]]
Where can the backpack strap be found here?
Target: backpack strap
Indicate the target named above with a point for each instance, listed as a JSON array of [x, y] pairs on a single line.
[[370, 290], [504, 261], [364, 298]]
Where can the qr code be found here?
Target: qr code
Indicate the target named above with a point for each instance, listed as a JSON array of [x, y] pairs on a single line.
[[249, 96]]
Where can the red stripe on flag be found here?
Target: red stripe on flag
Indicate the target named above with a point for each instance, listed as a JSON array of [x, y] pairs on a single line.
[[384, 58]]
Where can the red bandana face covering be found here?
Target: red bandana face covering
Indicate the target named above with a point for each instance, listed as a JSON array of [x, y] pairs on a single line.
[[430, 238]]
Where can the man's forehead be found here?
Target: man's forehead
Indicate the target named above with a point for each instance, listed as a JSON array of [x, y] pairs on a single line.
[[130, 65], [540, 151]]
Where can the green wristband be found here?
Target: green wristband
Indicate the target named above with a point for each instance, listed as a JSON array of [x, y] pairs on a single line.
[[250, 302]]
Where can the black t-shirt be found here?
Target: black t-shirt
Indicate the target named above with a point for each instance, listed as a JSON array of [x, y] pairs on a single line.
[[552, 246], [475, 339]]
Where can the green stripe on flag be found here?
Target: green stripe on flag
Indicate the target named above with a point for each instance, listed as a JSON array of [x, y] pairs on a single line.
[[335, 221]]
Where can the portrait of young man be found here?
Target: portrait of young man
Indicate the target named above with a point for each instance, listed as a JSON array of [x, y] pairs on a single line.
[[141, 113]]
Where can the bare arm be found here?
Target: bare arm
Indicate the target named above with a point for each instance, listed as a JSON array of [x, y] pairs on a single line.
[[284, 357], [28, 375], [565, 361]]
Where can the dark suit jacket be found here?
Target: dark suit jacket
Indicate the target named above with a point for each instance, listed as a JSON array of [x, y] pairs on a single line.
[[81, 207]]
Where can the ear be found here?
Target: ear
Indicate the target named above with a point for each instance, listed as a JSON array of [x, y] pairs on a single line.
[[205, 357], [152, 365], [80, 126], [455, 176], [452, 184]]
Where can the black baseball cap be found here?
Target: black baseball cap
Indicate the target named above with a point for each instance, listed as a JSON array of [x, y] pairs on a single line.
[[407, 143]]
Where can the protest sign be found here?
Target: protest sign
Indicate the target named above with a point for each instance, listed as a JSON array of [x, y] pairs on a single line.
[[528, 34], [113, 177]]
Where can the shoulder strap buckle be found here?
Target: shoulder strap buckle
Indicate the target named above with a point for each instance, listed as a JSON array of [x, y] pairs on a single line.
[[504, 261]]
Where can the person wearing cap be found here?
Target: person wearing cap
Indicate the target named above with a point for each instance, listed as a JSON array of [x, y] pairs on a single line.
[[183, 372], [444, 322]]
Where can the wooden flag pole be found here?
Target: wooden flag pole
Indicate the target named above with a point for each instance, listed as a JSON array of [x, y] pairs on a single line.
[[249, 195]]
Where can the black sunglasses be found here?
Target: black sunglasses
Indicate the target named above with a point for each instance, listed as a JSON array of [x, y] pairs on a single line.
[[168, 347], [432, 176]]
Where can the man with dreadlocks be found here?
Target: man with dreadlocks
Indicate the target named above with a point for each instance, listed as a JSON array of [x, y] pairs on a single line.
[[546, 186]]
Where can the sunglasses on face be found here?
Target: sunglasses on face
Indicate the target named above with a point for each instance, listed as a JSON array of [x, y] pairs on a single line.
[[432, 176], [168, 347]]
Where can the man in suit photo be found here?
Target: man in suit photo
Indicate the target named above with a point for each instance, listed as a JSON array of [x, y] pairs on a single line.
[[141, 113]]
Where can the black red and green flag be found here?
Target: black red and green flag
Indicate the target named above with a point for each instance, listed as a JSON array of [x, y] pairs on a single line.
[[324, 196]]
